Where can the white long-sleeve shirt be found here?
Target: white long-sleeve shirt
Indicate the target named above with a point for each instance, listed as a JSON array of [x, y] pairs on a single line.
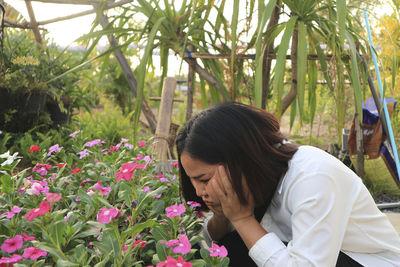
[[321, 207]]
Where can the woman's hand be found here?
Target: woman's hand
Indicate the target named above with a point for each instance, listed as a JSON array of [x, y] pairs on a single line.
[[233, 210]]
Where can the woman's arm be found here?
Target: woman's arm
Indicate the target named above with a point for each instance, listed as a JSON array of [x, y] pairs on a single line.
[[218, 226]]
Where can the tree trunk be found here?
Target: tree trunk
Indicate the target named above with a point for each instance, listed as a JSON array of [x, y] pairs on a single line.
[[150, 117], [205, 75], [270, 50], [291, 95]]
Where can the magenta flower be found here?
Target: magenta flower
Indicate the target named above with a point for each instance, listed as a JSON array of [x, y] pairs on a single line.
[[12, 244], [83, 153], [146, 189], [171, 262], [14, 258], [103, 190], [27, 237], [105, 215], [75, 133], [53, 197], [55, 148], [194, 204], [126, 171], [43, 209], [33, 253], [41, 168], [93, 143], [183, 246], [218, 251], [141, 144], [128, 145], [175, 210], [13, 211]]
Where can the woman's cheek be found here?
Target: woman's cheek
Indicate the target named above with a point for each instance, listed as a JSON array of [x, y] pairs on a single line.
[[211, 193]]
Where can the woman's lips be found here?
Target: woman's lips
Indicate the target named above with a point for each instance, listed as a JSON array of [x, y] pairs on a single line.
[[208, 203]]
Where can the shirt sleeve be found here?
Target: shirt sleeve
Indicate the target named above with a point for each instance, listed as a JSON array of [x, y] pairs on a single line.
[[320, 207], [206, 234]]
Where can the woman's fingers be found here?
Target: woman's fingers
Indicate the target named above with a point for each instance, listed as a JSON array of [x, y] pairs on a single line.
[[226, 183]]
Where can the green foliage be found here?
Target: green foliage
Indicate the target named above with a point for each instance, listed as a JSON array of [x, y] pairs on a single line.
[[71, 230]]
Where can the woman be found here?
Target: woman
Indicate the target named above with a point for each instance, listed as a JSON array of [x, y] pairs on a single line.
[[274, 203]]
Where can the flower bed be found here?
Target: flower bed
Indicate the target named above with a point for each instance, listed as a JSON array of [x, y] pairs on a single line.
[[97, 205]]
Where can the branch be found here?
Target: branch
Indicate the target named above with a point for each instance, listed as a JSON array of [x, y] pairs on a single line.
[[84, 13]]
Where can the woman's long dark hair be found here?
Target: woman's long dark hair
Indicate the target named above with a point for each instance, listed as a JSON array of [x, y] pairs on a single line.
[[246, 140]]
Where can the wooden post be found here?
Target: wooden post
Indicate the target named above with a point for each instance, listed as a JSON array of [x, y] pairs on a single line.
[[33, 22], [190, 90], [161, 139]]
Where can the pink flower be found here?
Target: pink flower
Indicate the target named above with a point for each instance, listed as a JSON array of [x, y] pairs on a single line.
[[141, 144], [16, 209], [174, 164], [218, 251], [34, 148], [146, 189], [41, 168], [139, 157], [27, 237], [14, 258], [175, 210], [83, 153], [105, 215], [76, 170], [158, 196], [194, 204], [103, 190], [171, 262], [140, 242], [33, 253], [128, 146], [43, 209], [93, 143], [126, 171], [55, 148], [53, 198], [75, 133], [183, 246], [12, 244]]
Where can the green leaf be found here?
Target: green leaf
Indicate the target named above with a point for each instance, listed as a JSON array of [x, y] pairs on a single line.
[[111, 238], [158, 207], [56, 231], [301, 66], [341, 17], [161, 251], [6, 184], [224, 262], [125, 192], [141, 70], [355, 76], [65, 263], [281, 60], [139, 227]]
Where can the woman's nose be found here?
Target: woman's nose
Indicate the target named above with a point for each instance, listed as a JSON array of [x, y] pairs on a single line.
[[200, 189]]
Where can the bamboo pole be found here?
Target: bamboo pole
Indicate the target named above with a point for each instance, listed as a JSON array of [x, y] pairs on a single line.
[[190, 90], [161, 138], [84, 13], [33, 22], [103, 20]]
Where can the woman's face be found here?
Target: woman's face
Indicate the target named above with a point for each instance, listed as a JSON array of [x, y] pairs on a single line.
[[200, 174]]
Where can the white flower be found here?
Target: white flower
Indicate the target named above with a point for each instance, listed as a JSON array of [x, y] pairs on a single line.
[[10, 158]]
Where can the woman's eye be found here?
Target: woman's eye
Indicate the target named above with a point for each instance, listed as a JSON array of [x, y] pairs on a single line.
[[205, 181]]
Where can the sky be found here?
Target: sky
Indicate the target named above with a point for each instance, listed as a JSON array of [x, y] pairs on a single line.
[[65, 32]]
